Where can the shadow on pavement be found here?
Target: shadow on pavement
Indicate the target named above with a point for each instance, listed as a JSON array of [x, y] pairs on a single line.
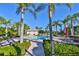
[[29, 53], [38, 51]]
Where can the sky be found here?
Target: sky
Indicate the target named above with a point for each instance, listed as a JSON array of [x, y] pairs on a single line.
[[8, 11]]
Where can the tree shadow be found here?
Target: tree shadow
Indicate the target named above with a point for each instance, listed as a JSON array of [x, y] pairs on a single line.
[[2, 54], [38, 51], [29, 52], [18, 50]]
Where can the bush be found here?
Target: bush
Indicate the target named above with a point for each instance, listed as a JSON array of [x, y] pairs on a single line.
[[47, 47], [66, 49], [16, 49], [12, 33], [61, 49], [1, 39]]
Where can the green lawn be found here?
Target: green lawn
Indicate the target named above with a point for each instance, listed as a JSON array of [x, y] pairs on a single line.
[[61, 49], [16, 49]]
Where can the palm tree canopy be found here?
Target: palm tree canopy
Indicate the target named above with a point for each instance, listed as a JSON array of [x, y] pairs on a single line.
[[26, 8], [16, 24], [2, 20], [32, 10], [64, 21], [73, 17], [26, 27], [53, 6], [22, 5], [55, 23]]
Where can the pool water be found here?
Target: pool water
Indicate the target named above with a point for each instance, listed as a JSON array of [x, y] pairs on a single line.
[[40, 37]]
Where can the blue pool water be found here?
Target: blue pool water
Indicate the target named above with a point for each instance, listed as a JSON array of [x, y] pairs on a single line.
[[40, 37]]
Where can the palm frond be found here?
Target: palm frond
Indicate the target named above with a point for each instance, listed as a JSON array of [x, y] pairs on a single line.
[[27, 4], [21, 5], [76, 14], [18, 10], [33, 13], [33, 6], [2, 20], [69, 5], [40, 7]]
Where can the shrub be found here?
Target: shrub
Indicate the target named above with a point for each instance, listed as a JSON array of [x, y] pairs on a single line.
[[7, 50], [1, 39], [47, 47], [66, 49], [61, 49], [16, 49]]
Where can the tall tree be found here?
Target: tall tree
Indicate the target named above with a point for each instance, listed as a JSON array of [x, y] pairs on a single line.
[[26, 7], [56, 24], [6, 23], [51, 10], [17, 27], [73, 18], [65, 23], [60, 25]]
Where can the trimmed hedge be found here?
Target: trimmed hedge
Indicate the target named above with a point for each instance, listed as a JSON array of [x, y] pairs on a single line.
[[61, 49], [16, 49]]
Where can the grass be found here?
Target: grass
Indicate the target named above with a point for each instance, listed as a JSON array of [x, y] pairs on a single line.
[[61, 49], [16, 49]]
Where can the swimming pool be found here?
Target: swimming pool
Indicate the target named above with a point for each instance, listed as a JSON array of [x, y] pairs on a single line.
[[39, 37]]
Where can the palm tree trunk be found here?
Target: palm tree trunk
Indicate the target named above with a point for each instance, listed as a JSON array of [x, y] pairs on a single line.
[[6, 31], [56, 29], [19, 30], [22, 26], [61, 28], [64, 28], [72, 31], [50, 28]]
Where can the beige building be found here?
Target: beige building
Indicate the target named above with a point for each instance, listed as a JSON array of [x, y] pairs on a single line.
[[32, 32]]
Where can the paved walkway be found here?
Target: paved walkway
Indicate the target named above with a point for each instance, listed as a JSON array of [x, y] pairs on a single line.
[[36, 49]]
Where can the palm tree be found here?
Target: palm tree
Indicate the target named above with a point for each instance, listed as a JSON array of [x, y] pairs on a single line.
[[25, 7], [6, 23], [60, 25], [51, 10], [46, 30], [22, 8], [64, 22], [72, 18], [56, 24], [2, 20], [17, 27], [36, 27], [26, 27]]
